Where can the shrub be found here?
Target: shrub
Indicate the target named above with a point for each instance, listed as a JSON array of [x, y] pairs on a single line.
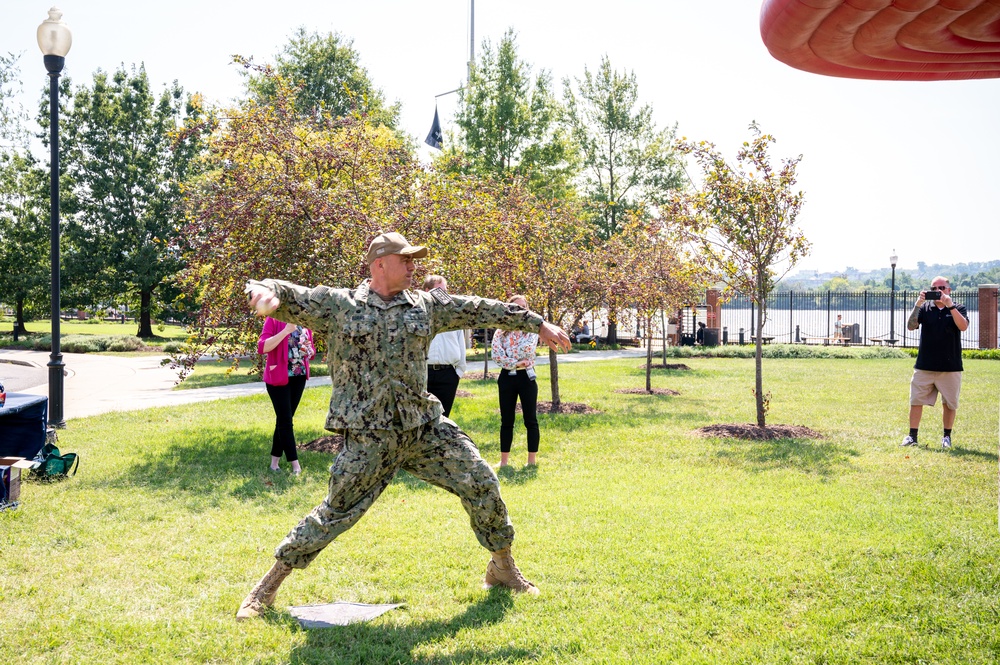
[[125, 343], [173, 347], [781, 351], [81, 344], [977, 354], [24, 342]]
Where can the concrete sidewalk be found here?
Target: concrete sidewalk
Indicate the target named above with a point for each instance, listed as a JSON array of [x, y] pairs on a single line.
[[97, 384]]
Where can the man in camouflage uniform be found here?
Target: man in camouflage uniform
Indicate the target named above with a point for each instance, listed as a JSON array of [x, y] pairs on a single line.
[[378, 335]]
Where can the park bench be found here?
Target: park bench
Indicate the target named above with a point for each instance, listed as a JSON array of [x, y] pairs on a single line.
[[764, 339]]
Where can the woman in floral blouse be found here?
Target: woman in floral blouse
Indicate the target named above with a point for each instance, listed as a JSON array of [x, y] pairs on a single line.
[[514, 351]]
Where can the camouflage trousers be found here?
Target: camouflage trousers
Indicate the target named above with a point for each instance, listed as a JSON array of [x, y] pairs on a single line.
[[437, 452]]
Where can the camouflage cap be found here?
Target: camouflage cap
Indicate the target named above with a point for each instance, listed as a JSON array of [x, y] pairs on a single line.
[[393, 243]]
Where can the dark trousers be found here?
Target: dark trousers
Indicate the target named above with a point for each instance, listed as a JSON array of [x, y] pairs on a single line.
[[442, 382], [511, 388], [285, 399]]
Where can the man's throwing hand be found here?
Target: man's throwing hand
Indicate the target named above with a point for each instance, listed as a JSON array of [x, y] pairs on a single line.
[[262, 299], [554, 337]]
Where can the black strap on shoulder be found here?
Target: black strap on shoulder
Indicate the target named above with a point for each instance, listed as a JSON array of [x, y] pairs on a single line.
[[441, 296]]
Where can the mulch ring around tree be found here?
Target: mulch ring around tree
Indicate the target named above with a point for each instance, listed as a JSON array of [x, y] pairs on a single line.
[[755, 433], [563, 408], [479, 376], [331, 443], [643, 391], [680, 366], [463, 393]]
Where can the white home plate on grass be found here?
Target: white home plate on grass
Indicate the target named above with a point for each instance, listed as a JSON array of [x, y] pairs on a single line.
[[338, 614]]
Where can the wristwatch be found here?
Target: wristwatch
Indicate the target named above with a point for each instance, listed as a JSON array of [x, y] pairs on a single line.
[[948, 309]]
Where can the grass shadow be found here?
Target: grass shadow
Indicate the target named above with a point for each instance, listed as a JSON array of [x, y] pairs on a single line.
[[207, 460], [508, 475], [966, 452], [651, 407], [365, 643], [804, 455]]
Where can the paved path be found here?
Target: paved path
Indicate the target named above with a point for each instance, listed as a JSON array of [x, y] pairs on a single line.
[[98, 384]]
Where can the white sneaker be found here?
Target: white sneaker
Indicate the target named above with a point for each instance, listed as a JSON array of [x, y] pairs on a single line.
[[946, 442], [909, 441]]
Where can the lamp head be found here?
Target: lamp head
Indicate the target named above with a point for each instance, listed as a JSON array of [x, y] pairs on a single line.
[[54, 36], [893, 259]]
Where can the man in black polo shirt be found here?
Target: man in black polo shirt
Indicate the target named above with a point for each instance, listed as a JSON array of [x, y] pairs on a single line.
[[939, 358]]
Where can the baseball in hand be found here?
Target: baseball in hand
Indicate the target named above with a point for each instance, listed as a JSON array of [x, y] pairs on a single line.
[[266, 302], [265, 305]]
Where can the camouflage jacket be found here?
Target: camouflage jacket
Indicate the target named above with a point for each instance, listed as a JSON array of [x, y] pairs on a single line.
[[377, 350]]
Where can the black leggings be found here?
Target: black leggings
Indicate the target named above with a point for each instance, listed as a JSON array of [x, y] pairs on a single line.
[[510, 388], [285, 399]]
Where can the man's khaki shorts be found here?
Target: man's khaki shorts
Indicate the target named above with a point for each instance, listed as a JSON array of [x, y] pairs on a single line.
[[925, 386]]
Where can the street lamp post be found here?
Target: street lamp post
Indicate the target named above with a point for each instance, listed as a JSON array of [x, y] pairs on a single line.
[[54, 39], [892, 300]]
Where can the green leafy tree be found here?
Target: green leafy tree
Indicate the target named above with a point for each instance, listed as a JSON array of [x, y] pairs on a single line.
[[125, 162], [12, 132], [628, 164], [508, 124], [743, 220], [24, 237], [655, 272], [990, 276], [507, 240], [24, 229], [327, 75], [837, 284], [288, 196]]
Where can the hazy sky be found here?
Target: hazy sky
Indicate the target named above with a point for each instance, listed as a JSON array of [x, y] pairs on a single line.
[[886, 165]]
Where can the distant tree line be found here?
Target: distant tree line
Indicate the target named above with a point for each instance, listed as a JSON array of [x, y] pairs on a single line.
[[961, 276]]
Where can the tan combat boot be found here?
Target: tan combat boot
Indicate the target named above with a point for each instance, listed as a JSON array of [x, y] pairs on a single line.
[[502, 571], [264, 593]]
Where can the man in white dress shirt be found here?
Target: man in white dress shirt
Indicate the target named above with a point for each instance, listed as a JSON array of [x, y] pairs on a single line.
[[446, 356]]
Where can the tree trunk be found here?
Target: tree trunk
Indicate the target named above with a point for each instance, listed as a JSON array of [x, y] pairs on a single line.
[[663, 328], [649, 359], [487, 349], [612, 331], [758, 360], [554, 379], [19, 328], [145, 317]]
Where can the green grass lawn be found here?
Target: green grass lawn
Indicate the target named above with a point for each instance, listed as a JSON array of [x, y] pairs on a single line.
[[210, 373], [650, 544], [44, 327]]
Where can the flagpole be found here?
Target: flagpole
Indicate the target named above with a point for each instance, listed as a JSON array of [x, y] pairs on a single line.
[[472, 37], [435, 138]]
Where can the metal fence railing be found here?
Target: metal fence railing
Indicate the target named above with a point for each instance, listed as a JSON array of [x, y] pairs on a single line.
[[867, 317]]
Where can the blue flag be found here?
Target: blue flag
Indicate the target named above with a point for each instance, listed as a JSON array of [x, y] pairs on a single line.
[[434, 138]]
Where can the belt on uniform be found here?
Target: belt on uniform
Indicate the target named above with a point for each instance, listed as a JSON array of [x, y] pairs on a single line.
[[440, 367]]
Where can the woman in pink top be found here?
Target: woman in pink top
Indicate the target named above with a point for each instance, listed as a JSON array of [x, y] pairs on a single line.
[[288, 349]]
